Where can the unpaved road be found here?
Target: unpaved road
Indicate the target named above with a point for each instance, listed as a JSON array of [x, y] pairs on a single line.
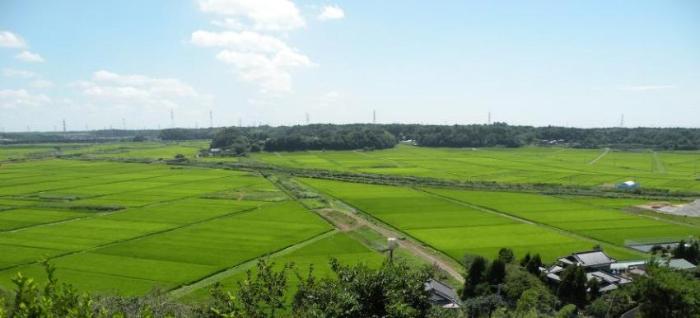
[[605, 152], [448, 266]]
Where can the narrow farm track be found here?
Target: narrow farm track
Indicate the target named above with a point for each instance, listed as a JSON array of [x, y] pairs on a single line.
[[207, 281], [135, 238], [658, 164], [411, 246], [605, 152], [431, 256], [527, 221]]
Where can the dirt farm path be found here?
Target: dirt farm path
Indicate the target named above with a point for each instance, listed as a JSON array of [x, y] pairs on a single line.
[[605, 152], [449, 266]]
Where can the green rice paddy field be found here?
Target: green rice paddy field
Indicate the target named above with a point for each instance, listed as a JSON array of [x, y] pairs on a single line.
[[678, 170], [459, 222], [127, 228], [157, 229]]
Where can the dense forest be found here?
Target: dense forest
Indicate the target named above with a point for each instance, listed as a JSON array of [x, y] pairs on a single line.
[[380, 136], [368, 136], [310, 137]]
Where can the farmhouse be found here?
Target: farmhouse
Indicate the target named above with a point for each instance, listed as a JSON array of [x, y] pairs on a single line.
[[441, 294], [596, 264]]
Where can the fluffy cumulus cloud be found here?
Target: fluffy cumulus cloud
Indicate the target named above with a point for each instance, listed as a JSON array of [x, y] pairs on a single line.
[[29, 57], [251, 45], [11, 40], [274, 15], [331, 12], [257, 58], [140, 91], [41, 83], [15, 73], [11, 99]]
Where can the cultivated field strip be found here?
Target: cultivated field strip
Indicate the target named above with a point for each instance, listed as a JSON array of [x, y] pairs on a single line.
[[317, 253], [177, 225], [454, 228], [677, 170], [606, 224]]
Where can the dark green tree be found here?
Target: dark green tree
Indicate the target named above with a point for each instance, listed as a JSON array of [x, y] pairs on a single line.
[[474, 278], [506, 255], [572, 287]]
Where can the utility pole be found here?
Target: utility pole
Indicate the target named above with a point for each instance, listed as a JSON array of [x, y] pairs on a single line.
[[622, 120]]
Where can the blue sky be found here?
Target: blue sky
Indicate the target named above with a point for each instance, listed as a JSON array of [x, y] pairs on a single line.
[[574, 63]]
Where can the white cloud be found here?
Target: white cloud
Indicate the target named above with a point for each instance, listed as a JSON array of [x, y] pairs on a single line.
[[244, 41], [644, 88], [29, 57], [329, 98], [10, 72], [331, 12], [41, 83], [229, 23], [141, 91], [10, 99], [11, 40], [271, 15], [257, 58]]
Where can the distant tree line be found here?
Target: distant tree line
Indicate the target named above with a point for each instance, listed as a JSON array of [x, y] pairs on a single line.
[[310, 137], [370, 136], [380, 136], [501, 134]]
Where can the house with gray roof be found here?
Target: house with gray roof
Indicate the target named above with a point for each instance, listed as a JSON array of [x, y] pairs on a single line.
[[441, 294]]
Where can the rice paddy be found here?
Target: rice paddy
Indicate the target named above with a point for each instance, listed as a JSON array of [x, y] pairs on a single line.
[[679, 170], [164, 233], [127, 228]]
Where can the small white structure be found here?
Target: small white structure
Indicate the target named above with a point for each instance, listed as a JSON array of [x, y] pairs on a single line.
[[628, 185]]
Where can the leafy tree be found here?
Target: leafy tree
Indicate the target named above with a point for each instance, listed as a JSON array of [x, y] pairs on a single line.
[[667, 293], [260, 295], [572, 287], [534, 264], [689, 251], [593, 289], [475, 276], [517, 281], [568, 311], [496, 273], [393, 290], [506, 255], [53, 300], [525, 260], [536, 300]]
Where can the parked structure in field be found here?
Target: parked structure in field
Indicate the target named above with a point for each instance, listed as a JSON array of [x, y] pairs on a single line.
[[441, 294], [596, 264], [628, 185]]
